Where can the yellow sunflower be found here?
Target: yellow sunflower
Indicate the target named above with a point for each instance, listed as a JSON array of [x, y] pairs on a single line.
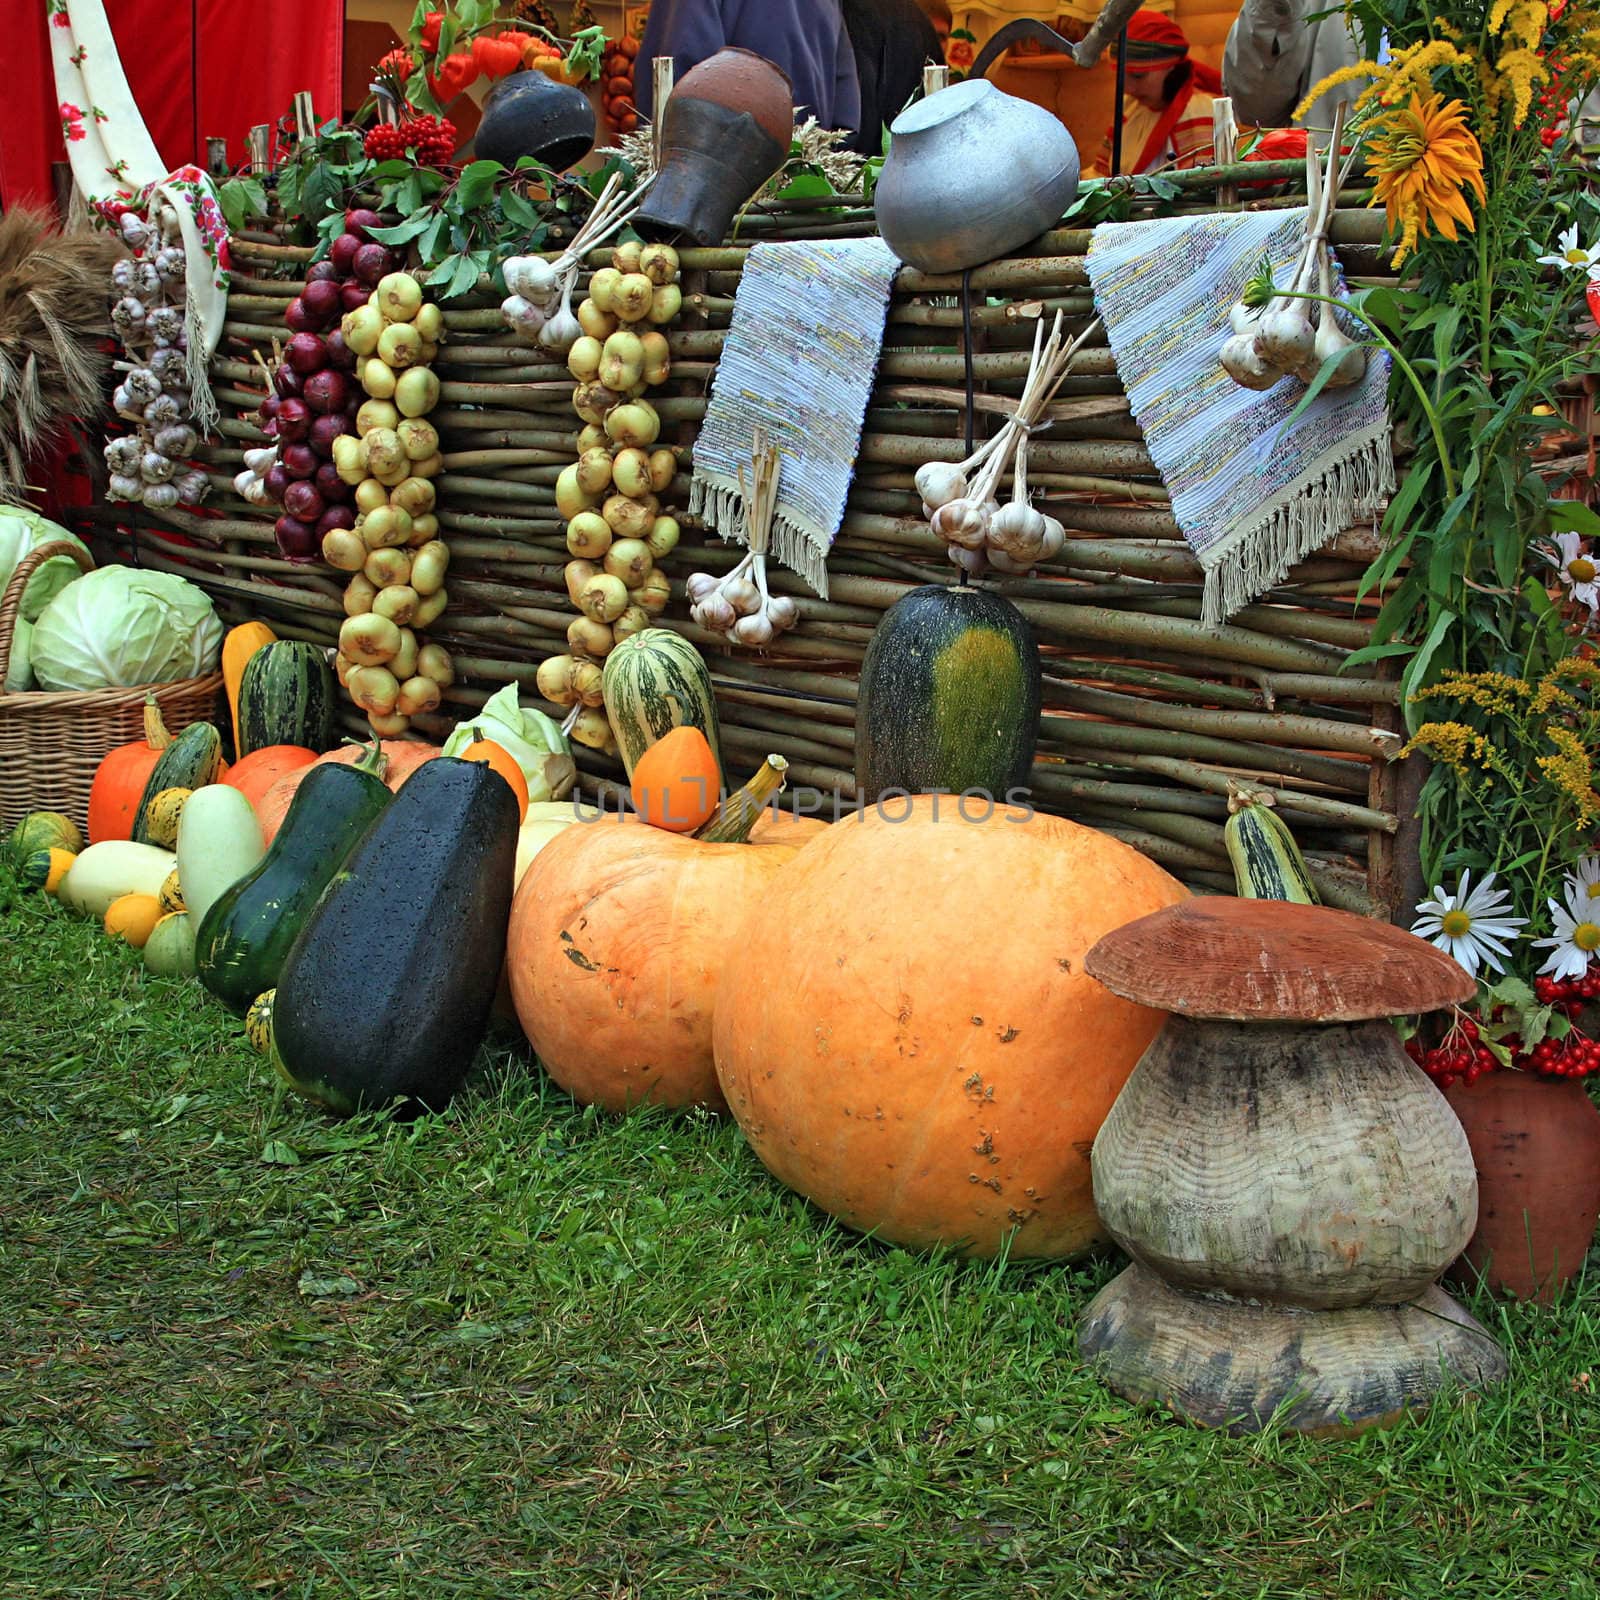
[[1423, 155]]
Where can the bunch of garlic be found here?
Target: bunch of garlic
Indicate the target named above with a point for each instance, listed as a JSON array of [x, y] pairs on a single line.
[[961, 499], [539, 308], [611, 495], [1279, 338], [740, 606], [149, 466], [396, 560]]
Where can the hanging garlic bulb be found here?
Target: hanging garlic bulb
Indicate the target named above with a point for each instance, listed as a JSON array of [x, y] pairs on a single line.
[[122, 455], [161, 496], [1332, 341], [123, 486], [972, 562], [192, 488], [939, 482], [525, 319], [1244, 365], [963, 522], [123, 276], [165, 326]]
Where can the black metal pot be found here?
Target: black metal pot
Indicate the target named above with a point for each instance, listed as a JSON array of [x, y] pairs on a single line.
[[530, 114], [712, 161]]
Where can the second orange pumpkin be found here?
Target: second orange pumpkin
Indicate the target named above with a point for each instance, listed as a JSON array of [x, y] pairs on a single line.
[[619, 936]]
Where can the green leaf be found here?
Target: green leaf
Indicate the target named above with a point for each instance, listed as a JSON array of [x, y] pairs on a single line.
[[401, 232], [477, 183], [519, 211], [275, 1153], [445, 270], [1573, 516], [428, 242], [464, 278], [806, 185]]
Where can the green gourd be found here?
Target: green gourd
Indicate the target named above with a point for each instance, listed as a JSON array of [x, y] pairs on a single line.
[[286, 696], [246, 934], [386, 993], [191, 761], [653, 682], [949, 697]]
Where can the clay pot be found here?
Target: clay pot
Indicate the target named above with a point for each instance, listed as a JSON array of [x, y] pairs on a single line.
[[530, 114], [1536, 1143], [740, 80], [726, 131]]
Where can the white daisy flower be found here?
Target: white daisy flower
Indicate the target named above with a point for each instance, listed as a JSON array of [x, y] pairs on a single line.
[[1570, 256], [1470, 924], [1583, 881], [1577, 937], [1578, 571]]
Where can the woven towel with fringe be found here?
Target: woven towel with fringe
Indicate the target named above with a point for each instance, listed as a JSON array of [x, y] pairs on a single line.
[[798, 364], [1252, 492]]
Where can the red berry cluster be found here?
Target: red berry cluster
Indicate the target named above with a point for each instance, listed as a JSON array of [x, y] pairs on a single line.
[[1460, 1054], [431, 139]]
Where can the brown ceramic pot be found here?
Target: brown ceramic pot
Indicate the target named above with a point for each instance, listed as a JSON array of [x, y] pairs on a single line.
[[1536, 1143], [740, 80]]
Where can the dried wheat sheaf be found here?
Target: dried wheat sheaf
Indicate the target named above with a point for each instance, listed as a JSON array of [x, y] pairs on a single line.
[[54, 317]]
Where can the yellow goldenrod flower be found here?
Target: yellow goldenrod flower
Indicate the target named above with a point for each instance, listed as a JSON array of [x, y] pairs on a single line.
[[1423, 154], [1520, 70], [1454, 745]]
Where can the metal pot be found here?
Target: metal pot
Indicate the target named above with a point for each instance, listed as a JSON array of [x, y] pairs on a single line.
[[971, 174], [530, 114]]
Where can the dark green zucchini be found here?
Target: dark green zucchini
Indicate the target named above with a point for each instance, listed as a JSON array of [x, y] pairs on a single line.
[[286, 697], [949, 697], [191, 761], [244, 937], [385, 994]]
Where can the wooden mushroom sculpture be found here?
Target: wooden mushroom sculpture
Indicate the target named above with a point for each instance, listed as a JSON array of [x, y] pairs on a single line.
[[1288, 1183]]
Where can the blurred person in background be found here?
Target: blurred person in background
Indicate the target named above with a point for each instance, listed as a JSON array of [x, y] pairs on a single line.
[[1167, 111], [1277, 51], [893, 40], [806, 38]]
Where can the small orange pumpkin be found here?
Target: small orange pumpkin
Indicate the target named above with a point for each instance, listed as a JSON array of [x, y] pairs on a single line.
[[676, 782], [253, 775], [498, 759], [404, 756], [120, 779]]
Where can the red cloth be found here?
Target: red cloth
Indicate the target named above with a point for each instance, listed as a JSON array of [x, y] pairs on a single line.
[[209, 68]]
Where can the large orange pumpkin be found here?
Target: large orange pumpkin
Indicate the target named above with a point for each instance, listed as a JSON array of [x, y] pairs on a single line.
[[619, 936], [253, 775], [906, 1034], [120, 779], [404, 756]]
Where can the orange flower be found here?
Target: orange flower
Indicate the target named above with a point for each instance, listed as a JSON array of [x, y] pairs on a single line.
[[1423, 155], [958, 53], [397, 64]]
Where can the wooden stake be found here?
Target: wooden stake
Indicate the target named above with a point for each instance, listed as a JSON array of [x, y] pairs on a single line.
[[305, 117], [661, 73], [1225, 146]]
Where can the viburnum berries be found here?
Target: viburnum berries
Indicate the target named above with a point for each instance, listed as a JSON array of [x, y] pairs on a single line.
[[1462, 1056], [430, 140]]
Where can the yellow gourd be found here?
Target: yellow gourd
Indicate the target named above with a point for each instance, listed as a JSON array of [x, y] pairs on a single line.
[[241, 643], [133, 917], [162, 814], [171, 896]]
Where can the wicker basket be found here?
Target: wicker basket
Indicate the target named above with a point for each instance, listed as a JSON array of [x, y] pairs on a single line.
[[52, 743]]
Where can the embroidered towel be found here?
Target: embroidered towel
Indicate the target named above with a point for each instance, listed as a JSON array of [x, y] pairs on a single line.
[[798, 363], [113, 158], [1252, 492]]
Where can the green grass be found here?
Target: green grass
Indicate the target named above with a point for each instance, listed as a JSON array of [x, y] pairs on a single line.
[[524, 1350]]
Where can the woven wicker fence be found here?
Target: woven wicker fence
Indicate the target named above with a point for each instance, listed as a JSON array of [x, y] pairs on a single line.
[[1147, 714]]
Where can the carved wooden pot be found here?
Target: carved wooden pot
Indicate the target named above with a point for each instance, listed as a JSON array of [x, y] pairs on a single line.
[[1287, 1181]]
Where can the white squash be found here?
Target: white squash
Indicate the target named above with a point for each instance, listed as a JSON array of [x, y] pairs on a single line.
[[219, 840], [113, 868], [545, 819]]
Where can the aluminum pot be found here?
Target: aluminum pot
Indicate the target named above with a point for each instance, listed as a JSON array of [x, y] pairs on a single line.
[[971, 174]]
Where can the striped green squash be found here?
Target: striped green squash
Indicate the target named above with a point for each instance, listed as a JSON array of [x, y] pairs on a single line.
[[1267, 864], [191, 761], [949, 697], [656, 681], [286, 697]]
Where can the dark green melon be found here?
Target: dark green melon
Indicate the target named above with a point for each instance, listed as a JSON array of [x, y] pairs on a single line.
[[949, 696]]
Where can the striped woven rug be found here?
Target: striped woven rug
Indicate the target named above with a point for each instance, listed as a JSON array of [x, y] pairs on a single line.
[[1252, 492], [798, 363]]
